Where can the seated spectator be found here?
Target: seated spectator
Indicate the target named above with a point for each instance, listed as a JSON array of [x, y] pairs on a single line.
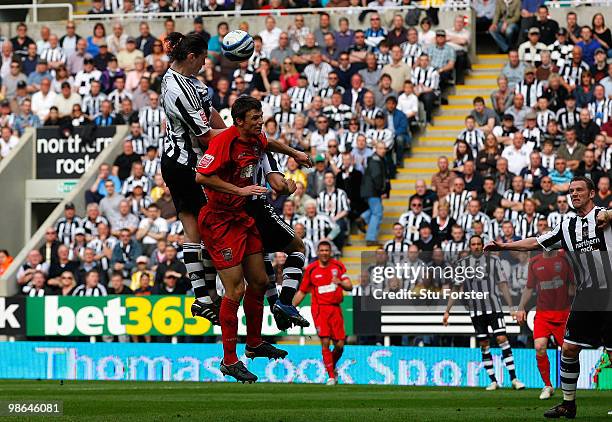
[[473, 179], [489, 199], [588, 45], [63, 263], [545, 68], [561, 176], [412, 49], [530, 88], [463, 153], [37, 286], [116, 286], [487, 157], [458, 199], [471, 135], [589, 168], [572, 151], [443, 59], [166, 206], [514, 70], [572, 71], [505, 132], [514, 198], [607, 81], [502, 97], [568, 116], [584, 91], [529, 51], [600, 108], [401, 131], [427, 37], [517, 154], [171, 284], [533, 173], [8, 141], [125, 220], [91, 287], [587, 129], [399, 71], [518, 111], [543, 114], [505, 23], [125, 253], [408, 102], [43, 100], [384, 91], [442, 180], [555, 93], [604, 195], [426, 82], [170, 263], [34, 262], [532, 133]]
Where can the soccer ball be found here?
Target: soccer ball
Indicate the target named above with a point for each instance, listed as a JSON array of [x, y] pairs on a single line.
[[238, 46]]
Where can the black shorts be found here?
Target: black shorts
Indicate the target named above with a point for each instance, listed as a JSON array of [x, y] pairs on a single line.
[[483, 322], [275, 233], [590, 322], [187, 195]]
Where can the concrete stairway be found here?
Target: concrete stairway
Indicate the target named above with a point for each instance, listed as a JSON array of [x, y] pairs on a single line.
[[436, 140]]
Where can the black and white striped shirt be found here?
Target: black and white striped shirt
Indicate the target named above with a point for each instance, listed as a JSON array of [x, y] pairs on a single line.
[[91, 227], [605, 161], [98, 245], [347, 140], [91, 104], [83, 80], [452, 249], [116, 97], [317, 227], [490, 266], [496, 229], [474, 138], [600, 111], [83, 290], [53, 55], [138, 205], [512, 196], [300, 97], [396, 251], [176, 228], [116, 6], [65, 229], [274, 101], [467, 221], [254, 61], [588, 248], [380, 135], [151, 167], [548, 161], [331, 204], [382, 59], [368, 113], [339, 117], [525, 228], [151, 121], [128, 185], [187, 107], [284, 118], [328, 91], [411, 52], [555, 217], [543, 117], [458, 203], [533, 136], [411, 222], [190, 5], [530, 92], [428, 77], [568, 118], [141, 143], [317, 76], [572, 74]]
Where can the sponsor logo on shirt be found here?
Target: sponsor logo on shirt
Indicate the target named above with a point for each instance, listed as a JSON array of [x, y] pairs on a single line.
[[206, 160]]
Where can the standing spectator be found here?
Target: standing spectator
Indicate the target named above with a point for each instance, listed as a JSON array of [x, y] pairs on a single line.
[[459, 39], [505, 23], [334, 203], [443, 58], [323, 28], [548, 27], [111, 200], [374, 188], [397, 122]]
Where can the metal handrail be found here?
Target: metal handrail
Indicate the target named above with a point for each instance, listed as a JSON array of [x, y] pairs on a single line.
[[35, 6], [453, 5]]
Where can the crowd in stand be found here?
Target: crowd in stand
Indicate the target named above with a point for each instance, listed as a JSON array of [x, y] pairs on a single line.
[[352, 97]]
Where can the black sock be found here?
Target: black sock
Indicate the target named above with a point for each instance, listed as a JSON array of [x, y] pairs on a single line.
[[195, 269], [292, 276]]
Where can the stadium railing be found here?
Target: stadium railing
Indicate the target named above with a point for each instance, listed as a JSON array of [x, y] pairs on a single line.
[[9, 186]]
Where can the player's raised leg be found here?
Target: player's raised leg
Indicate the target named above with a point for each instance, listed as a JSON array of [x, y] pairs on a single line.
[[292, 277]]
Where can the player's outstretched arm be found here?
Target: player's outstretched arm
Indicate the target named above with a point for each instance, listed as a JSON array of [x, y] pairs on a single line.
[[281, 185], [529, 244], [216, 183], [300, 157]]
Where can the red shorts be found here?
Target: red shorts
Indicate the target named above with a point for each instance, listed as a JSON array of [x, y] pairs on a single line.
[[544, 327], [329, 321], [228, 236]]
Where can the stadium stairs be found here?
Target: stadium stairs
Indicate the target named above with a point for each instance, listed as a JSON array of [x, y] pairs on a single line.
[[428, 145]]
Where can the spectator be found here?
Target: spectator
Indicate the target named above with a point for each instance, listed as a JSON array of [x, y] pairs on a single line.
[[171, 285], [600, 67], [561, 176], [371, 73], [374, 188], [397, 69], [141, 275], [270, 35], [572, 70], [427, 37], [555, 93], [517, 154], [63, 263], [124, 161], [588, 45], [91, 287], [34, 262], [426, 82], [401, 133], [8, 141], [589, 168], [604, 195], [514, 70], [584, 91], [443, 59], [548, 27], [587, 129], [21, 41], [125, 220], [117, 286], [334, 203], [545, 69], [125, 253], [459, 39], [170, 263], [505, 23]]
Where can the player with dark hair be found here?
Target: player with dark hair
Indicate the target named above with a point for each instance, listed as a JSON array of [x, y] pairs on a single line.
[[230, 234], [587, 240], [551, 276], [326, 279], [191, 123]]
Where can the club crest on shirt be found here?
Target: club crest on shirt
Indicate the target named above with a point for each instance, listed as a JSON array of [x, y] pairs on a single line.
[[206, 160], [227, 254], [247, 172]]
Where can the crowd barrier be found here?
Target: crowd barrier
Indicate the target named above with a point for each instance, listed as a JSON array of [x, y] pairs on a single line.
[[432, 366]]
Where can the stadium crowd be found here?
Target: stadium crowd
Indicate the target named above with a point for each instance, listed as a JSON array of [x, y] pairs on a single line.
[[351, 97]]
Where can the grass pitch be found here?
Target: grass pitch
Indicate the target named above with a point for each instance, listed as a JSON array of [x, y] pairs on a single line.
[[163, 401]]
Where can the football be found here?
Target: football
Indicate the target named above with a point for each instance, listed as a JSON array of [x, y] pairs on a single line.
[[238, 45]]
